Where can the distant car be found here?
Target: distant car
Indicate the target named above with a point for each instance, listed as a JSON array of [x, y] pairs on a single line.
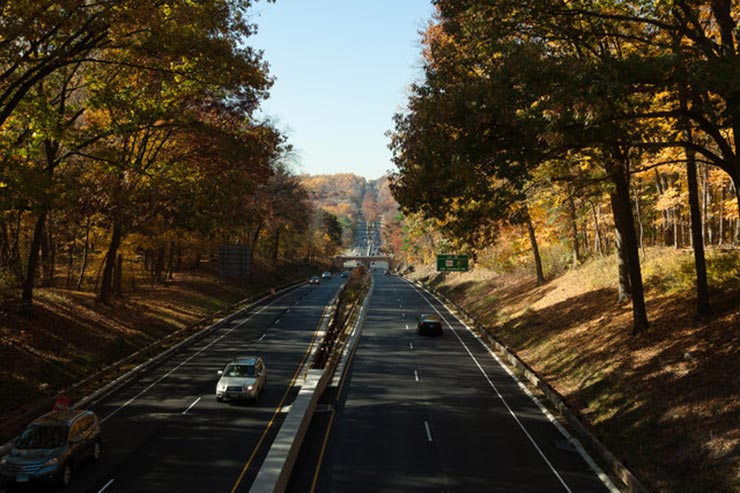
[[344, 274], [429, 324], [243, 378], [314, 280], [326, 275], [52, 446]]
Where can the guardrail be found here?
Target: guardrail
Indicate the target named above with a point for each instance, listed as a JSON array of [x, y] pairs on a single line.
[[11, 428], [572, 416], [277, 467]]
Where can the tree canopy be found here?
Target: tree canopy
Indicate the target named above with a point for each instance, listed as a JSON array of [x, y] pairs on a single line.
[[587, 97]]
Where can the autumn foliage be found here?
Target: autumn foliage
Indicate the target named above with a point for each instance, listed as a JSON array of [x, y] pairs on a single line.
[[129, 145], [572, 130]]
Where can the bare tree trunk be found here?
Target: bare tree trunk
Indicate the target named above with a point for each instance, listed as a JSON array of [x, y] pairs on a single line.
[[619, 176], [85, 253], [535, 248], [676, 236], [33, 257], [625, 290], [253, 241], [70, 260], [158, 266], [706, 227], [47, 273], [664, 226], [638, 216], [721, 238], [702, 289], [118, 276], [597, 230], [171, 260], [106, 285], [574, 231]]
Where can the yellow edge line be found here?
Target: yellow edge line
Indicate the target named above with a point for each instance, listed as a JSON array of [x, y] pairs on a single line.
[[331, 421], [279, 406]]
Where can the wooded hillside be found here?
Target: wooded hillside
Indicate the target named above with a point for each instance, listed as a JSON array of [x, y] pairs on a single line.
[[129, 147], [577, 129]]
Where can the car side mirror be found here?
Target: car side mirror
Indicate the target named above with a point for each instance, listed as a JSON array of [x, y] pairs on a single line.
[[220, 372]]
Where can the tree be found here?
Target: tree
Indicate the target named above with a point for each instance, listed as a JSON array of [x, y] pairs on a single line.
[[510, 87], [145, 102], [40, 38]]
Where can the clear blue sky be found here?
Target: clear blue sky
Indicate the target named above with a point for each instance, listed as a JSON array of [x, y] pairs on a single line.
[[342, 69]]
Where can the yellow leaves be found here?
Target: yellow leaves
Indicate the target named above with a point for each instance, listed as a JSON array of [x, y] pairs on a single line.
[[586, 163], [670, 199]]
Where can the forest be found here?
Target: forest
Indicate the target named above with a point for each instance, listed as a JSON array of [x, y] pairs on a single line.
[[602, 126], [130, 148]]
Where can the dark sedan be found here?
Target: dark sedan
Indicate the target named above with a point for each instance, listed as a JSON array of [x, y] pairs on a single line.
[[429, 325]]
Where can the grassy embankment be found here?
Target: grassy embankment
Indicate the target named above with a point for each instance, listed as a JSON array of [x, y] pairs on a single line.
[[666, 402], [69, 336]]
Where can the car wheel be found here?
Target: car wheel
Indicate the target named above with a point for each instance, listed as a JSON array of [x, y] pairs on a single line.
[[65, 475], [219, 399], [97, 450]]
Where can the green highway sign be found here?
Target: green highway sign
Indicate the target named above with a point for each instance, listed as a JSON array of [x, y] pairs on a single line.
[[452, 263]]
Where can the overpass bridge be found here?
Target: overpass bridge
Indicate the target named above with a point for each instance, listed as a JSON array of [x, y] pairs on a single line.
[[351, 261]]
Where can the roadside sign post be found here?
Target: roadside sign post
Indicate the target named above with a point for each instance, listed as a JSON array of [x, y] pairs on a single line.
[[452, 263]]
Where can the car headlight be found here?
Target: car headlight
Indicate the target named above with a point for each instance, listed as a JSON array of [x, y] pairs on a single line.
[[249, 387], [51, 462]]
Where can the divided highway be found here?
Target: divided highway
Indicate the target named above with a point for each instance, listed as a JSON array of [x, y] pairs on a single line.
[[409, 413], [167, 432], [436, 414]]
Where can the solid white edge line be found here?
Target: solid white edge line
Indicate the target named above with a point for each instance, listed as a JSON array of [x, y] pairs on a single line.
[[429, 431], [574, 441], [105, 487], [191, 405], [153, 384], [500, 396]]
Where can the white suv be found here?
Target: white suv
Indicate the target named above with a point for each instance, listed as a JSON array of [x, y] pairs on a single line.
[[243, 378]]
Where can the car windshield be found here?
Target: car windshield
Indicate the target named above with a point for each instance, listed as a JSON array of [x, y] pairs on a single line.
[[36, 437], [239, 371]]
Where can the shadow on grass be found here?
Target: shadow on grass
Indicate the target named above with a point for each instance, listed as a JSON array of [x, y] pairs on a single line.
[[667, 402]]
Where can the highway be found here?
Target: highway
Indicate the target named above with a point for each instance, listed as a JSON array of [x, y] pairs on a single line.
[[166, 431], [436, 414], [410, 413]]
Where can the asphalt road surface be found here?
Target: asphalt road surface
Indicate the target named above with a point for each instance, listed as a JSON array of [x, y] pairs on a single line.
[[418, 413], [166, 432]]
